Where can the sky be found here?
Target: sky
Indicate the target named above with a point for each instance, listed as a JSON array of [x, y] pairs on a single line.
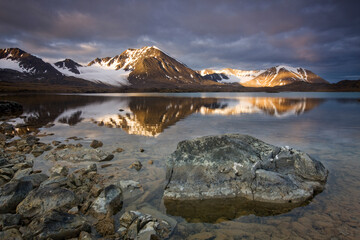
[[322, 36]]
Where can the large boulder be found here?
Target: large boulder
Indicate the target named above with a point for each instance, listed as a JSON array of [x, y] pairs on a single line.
[[12, 193], [56, 225], [45, 199], [235, 165]]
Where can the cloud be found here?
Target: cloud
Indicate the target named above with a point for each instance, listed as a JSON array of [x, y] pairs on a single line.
[[320, 35]]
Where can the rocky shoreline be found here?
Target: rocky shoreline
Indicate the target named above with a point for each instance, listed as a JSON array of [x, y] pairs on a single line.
[[79, 204], [247, 175]]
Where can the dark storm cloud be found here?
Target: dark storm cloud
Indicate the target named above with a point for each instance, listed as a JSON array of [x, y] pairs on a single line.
[[323, 36]]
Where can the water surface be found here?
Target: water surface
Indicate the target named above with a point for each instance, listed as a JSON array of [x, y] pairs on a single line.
[[325, 125]]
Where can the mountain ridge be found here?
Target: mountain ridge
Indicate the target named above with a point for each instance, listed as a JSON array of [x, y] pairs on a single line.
[[149, 69]]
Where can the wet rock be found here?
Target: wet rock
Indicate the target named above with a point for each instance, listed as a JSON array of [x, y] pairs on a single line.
[[56, 143], [32, 140], [45, 199], [106, 165], [12, 193], [8, 109], [73, 210], [236, 165], [59, 171], [108, 203], [136, 165], [118, 150], [75, 154], [55, 181], [150, 162], [86, 236], [107, 158], [56, 225], [96, 144], [9, 220], [106, 226], [136, 225], [11, 234], [129, 184], [36, 179], [22, 173]]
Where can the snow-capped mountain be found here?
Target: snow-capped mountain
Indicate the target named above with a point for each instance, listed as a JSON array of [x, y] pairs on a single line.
[[136, 67], [283, 75], [68, 64], [229, 75], [18, 60], [149, 65], [275, 76], [143, 68]]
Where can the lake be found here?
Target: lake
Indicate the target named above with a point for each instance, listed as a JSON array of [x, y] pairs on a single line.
[[325, 125]]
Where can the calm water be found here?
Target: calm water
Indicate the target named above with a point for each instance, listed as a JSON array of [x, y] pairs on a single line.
[[325, 125]]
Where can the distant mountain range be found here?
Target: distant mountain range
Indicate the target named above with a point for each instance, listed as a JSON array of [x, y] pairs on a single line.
[[147, 68], [271, 77]]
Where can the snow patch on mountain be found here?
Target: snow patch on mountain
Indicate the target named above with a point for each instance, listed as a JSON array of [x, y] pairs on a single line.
[[97, 73], [11, 64], [233, 75]]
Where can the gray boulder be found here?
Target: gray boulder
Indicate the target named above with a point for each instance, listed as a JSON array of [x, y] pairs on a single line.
[[137, 225], [235, 165], [12, 193], [45, 199], [56, 225], [108, 203]]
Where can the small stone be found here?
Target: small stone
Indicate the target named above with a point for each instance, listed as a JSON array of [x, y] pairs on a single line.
[[22, 173], [74, 210], [121, 110], [59, 171], [142, 150], [96, 144], [137, 165], [118, 150], [11, 234], [106, 226], [78, 145], [56, 143], [86, 236], [108, 158], [106, 165], [150, 162]]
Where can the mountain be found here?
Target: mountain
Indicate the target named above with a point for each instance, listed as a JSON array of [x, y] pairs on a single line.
[[21, 71], [283, 75], [275, 76], [69, 65], [229, 75], [18, 60], [150, 66]]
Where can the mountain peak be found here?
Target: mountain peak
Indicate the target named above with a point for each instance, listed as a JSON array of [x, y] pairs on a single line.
[[69, 64]]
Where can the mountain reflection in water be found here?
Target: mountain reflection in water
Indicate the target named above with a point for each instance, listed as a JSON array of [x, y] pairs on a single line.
[[149, 115]]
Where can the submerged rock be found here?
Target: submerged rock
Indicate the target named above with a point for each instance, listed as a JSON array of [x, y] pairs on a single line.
[[56, 225], [96, 144], [236, 165], [8, 108], [108, 203], [137, 225]]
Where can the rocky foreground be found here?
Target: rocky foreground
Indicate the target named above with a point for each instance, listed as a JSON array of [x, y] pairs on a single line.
[[65, 205], [234, 165]]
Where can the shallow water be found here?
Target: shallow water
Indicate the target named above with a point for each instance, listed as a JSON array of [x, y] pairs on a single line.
[[325, 125]]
